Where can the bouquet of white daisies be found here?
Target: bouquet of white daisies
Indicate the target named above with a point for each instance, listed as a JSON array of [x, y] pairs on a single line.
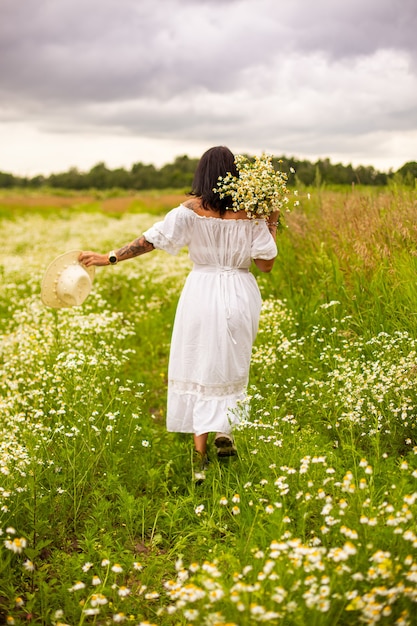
[[259, 189]]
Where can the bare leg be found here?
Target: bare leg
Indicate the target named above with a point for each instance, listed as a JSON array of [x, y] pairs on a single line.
[[200, 443]]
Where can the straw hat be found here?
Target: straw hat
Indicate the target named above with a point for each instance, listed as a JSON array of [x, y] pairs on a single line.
[[66, 282]]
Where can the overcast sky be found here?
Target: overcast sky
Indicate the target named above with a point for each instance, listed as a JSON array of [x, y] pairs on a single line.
[[122, 81]]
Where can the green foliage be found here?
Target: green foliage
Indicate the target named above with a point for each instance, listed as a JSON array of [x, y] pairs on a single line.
[[179, 174], [408, 173], [313, 522]]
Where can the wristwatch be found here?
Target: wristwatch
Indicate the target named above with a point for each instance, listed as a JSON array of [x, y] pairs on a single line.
[[112, 257]]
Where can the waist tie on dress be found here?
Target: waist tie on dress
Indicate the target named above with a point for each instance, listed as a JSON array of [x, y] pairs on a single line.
[[224, 271]]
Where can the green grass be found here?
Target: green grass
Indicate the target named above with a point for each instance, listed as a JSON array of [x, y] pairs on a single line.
[[313, 523]]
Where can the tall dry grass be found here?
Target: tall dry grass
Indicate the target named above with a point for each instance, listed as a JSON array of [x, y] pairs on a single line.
[[356, 246]]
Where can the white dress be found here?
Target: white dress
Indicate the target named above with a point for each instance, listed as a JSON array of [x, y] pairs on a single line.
[[216, 319]]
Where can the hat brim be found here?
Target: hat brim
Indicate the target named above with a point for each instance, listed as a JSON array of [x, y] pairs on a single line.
[[49, 295]]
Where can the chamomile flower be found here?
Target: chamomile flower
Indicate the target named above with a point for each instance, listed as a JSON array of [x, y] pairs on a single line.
[[77, 586], [17, 545], [123, 591], [259, 189], [117, 568]]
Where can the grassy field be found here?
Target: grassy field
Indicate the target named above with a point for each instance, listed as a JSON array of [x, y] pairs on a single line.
[[314, 522]]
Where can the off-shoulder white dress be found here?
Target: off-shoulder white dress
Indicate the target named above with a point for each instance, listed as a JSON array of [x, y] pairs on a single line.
[[216, 319]]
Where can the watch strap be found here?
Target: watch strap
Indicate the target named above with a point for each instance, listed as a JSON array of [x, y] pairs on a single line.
[[112, 257]]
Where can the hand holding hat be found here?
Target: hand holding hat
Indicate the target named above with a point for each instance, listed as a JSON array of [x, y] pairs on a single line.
[[67, 282]]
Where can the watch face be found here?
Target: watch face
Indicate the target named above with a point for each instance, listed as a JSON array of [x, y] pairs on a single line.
[[113, 258]]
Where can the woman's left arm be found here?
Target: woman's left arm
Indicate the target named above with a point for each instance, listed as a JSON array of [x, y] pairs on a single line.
[[134, 248]]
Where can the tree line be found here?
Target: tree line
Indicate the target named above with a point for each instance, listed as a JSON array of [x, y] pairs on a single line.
[[179, 174]]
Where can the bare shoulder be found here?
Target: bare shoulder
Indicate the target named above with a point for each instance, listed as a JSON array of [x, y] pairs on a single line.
[[196, 205], [236, 215], [193, 203]]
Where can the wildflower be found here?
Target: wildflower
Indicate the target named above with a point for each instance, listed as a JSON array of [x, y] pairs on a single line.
[[216, 594], [87, 566], [191, 614], [258, 189], [119, 617], [236, 498], [105, 562], [95, 580], [78, 585], [17, 545], [91, 611], [211, 568], [28, 565], [183, 575], [152, 595], [117, 568], [137, 566], [279, 595], [235, 510], [98, 599], [145, 443], [123, 591], [199, 509], [349, 548], [223, 501], [352, 534], [257, 609], [269, 509], [410, 499]]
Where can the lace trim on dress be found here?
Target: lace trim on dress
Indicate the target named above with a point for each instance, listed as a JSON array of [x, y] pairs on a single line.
[[209, 390]]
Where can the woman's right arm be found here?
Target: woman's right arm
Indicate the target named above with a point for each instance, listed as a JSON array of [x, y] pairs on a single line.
[[134, 248], [266, 265]]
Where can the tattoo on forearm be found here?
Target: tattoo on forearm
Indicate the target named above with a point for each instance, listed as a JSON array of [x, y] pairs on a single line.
[[137, 247]]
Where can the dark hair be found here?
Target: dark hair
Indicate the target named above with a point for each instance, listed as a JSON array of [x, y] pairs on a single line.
[[215, 162]]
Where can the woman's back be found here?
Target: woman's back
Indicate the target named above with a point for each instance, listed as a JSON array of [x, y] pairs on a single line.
[[229, 243]]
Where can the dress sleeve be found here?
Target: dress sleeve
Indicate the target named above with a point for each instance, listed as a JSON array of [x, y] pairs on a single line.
[[173, 232], [263, 245]]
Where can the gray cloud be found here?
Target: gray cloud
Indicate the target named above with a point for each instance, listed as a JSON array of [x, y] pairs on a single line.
[[276, 72], [109, 50]]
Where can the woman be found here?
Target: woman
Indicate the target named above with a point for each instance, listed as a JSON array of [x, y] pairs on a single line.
[[218, 311]]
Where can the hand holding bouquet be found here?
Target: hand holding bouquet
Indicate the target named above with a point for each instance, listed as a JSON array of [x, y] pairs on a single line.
[[259, 189]]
